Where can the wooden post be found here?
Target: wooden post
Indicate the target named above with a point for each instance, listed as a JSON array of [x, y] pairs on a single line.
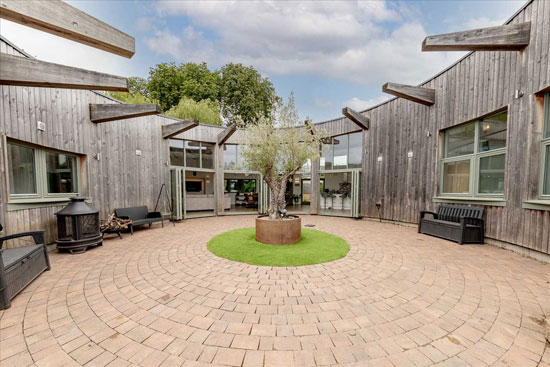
[[425, 96], [120, 111], [23, 71], [171, 130], [360, 120], [509, 37], [59, 18], [226, 134]]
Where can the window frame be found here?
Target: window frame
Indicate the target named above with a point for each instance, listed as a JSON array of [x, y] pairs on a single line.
[[189, 168], [545, 144], [331, 144], [475, 159], [41, 176]]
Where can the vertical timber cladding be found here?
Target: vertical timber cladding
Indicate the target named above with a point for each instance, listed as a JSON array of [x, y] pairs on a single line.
[[478, 84], [118, 178]]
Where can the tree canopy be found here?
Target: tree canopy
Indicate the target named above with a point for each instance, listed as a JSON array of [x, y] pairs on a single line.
[[137, 92], [169, 83], [240, 93], [204, 111], [245, 93]]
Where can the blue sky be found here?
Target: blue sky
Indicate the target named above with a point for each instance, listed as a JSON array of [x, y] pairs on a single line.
[[331, 54]]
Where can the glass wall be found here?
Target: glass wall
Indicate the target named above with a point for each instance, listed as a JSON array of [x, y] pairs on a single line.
[[200, 199], [194, 154], [232, 157], [241, 192], [176, 152], [342, 152], [336, 194], [229, 156], [474, 157]]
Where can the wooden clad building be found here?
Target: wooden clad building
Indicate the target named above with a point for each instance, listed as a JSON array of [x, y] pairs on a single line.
[[485, 140]]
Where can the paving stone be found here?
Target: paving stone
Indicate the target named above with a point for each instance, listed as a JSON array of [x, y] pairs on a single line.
[[397, 299]]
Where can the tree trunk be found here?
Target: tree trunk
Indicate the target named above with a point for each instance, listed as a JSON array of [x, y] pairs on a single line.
[[277, 188]]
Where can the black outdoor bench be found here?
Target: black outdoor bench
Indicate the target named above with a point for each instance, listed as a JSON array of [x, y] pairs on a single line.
[[139, 215], [21, 265], [462, 224]]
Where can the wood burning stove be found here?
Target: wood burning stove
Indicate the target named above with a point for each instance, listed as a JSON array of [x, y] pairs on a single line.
[[78, 227]]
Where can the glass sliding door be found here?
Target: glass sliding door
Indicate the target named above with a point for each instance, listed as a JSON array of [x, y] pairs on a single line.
[[340, 194], [177, 193], [200, 196], [241, 192], [306, 191]]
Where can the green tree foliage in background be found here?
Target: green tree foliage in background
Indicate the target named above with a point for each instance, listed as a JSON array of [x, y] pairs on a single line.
[[240, 94], [245, 93], [137, 85], [169, 83], [138, 92], [204, 111]]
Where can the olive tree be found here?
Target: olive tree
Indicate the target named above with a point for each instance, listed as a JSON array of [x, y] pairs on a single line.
[[277, 147]]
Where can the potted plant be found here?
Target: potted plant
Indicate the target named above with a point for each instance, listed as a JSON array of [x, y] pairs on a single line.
[[278, 147]]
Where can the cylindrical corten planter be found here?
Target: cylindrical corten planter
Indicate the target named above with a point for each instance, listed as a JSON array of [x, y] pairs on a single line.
[[278, 232]]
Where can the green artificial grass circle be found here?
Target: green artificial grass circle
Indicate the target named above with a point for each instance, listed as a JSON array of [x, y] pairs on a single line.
[[315, 247]]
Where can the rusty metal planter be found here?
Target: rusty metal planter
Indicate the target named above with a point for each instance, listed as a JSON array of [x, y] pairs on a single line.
[[278, 232]]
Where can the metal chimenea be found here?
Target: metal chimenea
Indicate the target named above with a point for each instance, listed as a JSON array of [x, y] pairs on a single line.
[[78, 227]]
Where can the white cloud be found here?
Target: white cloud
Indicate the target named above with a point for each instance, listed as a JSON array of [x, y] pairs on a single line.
[[47, 47], [482, 22], [358, 104], [340, 40], [322, 103]]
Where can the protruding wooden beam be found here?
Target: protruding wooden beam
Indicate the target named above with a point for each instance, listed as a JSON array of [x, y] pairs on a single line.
[[509, 37], [171, 130], [425, 96], [362, 121], [120, 111], [17, 70], [226, 134], [59, 18]]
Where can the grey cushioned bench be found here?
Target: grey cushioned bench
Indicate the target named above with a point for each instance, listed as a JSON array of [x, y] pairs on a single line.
[[139, 215], [462, 224], [20, 266]]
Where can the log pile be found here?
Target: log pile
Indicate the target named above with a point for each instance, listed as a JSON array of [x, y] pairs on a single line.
[[115, 224]]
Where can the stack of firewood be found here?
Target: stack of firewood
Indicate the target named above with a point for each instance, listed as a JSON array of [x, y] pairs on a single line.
[[115, 224]]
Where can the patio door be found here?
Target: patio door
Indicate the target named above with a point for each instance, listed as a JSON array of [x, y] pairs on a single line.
[[263, 196], [306, 190], [177, 189], [340, 193]]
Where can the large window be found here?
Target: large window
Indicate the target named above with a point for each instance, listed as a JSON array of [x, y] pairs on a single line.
[[192, 154], [342, 152], [232, 157], [545, 191], [61, 172], [474, 157], [36, 173]]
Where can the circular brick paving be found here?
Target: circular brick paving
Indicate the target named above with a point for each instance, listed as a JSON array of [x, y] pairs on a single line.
[[398, 298]]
